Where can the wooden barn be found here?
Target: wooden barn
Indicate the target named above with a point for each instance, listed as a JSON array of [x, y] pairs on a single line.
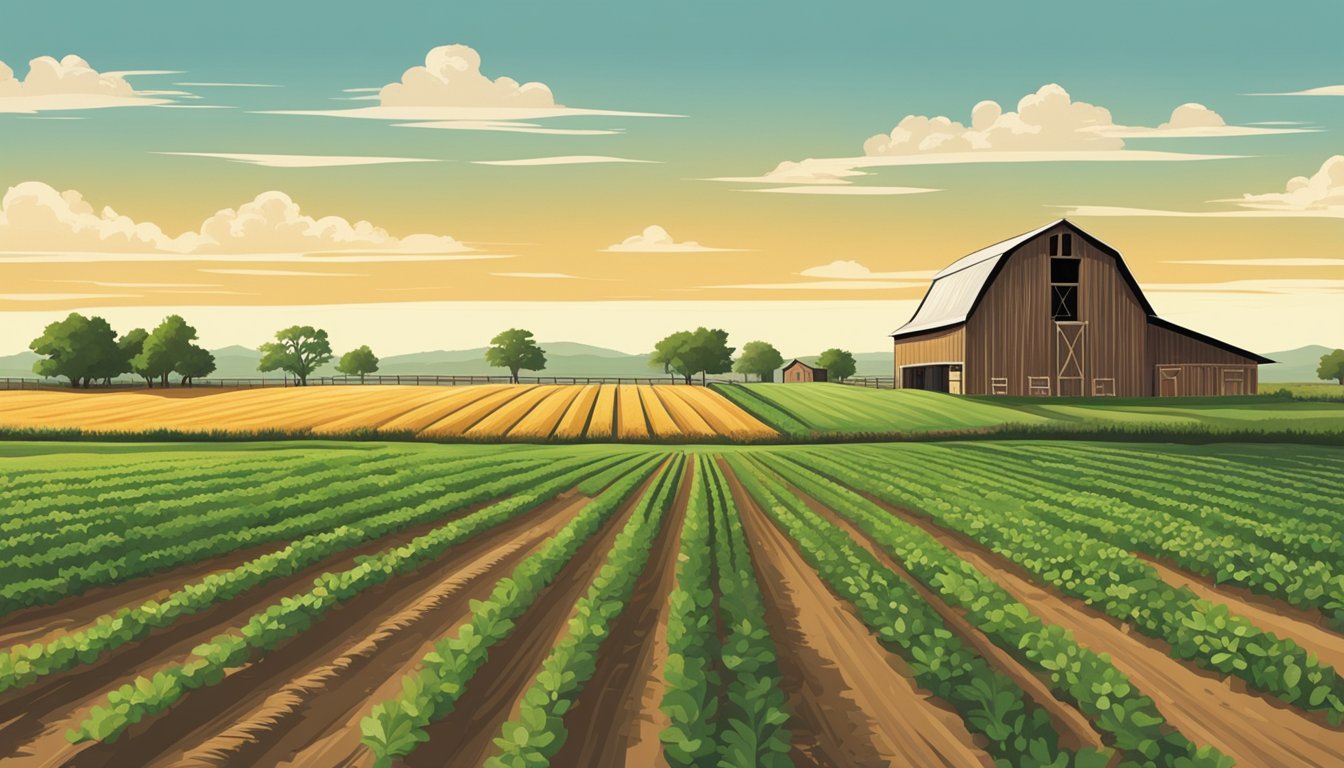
[[1055, 312], [798, 372]]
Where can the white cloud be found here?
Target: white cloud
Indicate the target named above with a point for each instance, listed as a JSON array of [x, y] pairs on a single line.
[[822, 189], [1279, 286], [655, 239], [1319, 196], [536, 275], [1283, 262], [280, 273], [848, 269], [301, 161], [827, 285], [1325, 90], [562, 160], [68, 83], [34, 217], [449, 91], [1190, 121]]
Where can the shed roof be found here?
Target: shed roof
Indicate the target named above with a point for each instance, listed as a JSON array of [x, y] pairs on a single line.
[[796, 361]]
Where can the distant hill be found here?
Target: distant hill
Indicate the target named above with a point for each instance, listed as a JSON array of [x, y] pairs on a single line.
[[1293, 365]]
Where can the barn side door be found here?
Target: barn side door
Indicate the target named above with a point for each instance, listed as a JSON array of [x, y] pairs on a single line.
[[1169, 381], [1069, 348]]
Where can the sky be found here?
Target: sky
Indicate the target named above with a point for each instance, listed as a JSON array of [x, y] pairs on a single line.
[[419, 175]]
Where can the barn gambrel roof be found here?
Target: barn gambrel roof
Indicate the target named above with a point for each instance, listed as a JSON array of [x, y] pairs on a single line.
[[957, 289]]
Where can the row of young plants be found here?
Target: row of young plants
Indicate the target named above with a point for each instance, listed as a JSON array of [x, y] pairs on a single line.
[[1226, 482], [398, 725], [1016, 731], [198, 515], [722, 694], [42, 482], [764, 410], [1110, 579], [753, 729], [1127, 718], [24, 664], [1290, 527], [1152, 530], [290, 616], [60, 523], [538, 731], [314, 511]]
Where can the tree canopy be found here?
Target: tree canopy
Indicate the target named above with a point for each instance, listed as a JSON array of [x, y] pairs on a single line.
[[838, 363], [165, 349], [687, 353], [131, 344], [514, 349], [760, 358], [1332, 366], [82, 349], [195, 362], [358, 362], [298, 350]]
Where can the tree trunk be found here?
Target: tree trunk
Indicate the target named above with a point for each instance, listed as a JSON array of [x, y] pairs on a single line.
[[163, 380], [689, 378], [513, 375]]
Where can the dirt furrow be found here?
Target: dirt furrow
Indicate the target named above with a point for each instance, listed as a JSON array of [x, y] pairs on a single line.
[[328, 700], [1073, 727], [33, 720], [468, 732], [615, 721], [1303, 626], [853, 702], [1254, 730]]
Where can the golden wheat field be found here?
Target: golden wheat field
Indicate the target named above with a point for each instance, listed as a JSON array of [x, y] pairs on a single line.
[[485, 412]]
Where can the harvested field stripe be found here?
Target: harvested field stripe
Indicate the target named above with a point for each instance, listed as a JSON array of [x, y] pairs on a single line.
[[602, 425], [541, 422], [379, 413], [631, 423], [660, 421], [504, 418], [574, 424], [419, 418], [689, 421], [462, 419]]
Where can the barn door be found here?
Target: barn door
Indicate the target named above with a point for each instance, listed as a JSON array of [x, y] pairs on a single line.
[[1069, 373], [1234, 381], [1169, 382]]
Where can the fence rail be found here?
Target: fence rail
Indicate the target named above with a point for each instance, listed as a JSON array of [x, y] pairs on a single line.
[[414, 380], [871, 382]]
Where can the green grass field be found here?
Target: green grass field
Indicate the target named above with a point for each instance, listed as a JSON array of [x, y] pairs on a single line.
[[837, 409]]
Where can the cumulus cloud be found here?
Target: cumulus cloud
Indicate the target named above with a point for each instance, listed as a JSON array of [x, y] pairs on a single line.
[[848, 269], [34, 217], [451, 77], [1320, 195], [655, 239], [68, 83], [450, 92], [1193, 115], [1193, 121]]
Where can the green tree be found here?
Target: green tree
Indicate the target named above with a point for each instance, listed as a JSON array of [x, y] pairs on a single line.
[[760, 358], [838, 363], [514, 349], [195, 362], [687, 353], [82, 349], [167, 346], [358, 362], [298, 349], [1332, 366], [130, 345]]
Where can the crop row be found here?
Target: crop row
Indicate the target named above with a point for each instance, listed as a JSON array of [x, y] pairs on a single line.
[[22, 664], [1151, 529], [396, 726], [538, 731], [222, 531], [1016, 731], [290, 616], [1110, 579], [1125, 716], [26, 483]]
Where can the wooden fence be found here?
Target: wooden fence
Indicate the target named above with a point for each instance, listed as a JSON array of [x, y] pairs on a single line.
[[414, 380]]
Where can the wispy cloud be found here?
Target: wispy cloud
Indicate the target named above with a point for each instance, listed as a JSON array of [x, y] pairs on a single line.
[[848, 269], [301, 161], [1287, 261], [70, 83], [655, 239], [822, 189], [280, 273], [536, 275], [562, 160], [826, 285], [1325, 90], [227, 85]]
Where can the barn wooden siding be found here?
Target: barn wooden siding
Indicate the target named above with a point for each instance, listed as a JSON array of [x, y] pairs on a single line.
[[947, 346], [1011, 335], [1204, 369]]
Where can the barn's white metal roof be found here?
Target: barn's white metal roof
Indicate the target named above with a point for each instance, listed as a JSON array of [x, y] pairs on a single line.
[[955, 289]]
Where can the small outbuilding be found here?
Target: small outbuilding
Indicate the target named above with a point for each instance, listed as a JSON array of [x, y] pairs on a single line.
[[1055, 312], [798, 372]]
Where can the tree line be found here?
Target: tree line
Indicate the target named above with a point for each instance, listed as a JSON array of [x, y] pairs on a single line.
[[87, 350]]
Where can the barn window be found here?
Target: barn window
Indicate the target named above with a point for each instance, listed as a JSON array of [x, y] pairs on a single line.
[[1067, 249], [1064, 289], [1103, 387], [998, 386], [1038, 385]]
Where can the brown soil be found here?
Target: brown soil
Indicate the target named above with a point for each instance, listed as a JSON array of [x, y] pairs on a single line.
[[469, 731], [33, 720], [1302, 626], [326, 703], [853, 703], [163, 739], [616, 719], [1245, 726], [1073, 727]]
